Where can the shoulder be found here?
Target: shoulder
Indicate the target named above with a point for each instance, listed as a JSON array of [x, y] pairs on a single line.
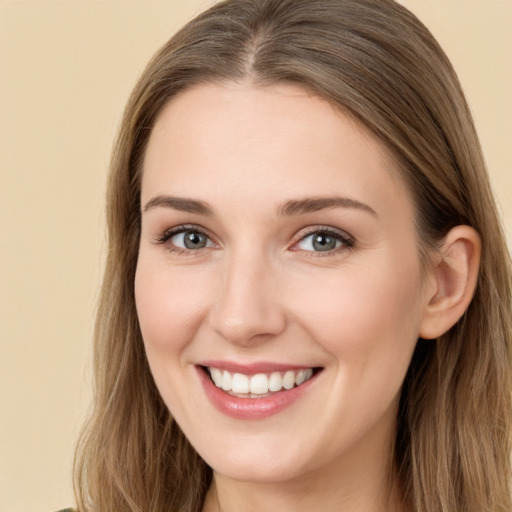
[[67, 510]]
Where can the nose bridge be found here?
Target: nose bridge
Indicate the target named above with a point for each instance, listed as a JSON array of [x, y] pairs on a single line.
[[246, 308]]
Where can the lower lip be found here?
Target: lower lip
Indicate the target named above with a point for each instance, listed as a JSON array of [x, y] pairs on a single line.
[[252, 408]]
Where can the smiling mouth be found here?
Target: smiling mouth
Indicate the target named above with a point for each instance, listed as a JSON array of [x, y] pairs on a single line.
[[259, 385]]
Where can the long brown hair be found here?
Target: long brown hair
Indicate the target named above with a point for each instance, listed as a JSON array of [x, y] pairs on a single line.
[[374, 60]]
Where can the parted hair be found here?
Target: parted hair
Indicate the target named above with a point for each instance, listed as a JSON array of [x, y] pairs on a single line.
[[375, 61]]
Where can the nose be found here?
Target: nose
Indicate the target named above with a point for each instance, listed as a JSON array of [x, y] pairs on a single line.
[[248, 309]]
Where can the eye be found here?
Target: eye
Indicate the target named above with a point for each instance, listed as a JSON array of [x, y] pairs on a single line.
[[186, 239], [323, 240], [190, 240]]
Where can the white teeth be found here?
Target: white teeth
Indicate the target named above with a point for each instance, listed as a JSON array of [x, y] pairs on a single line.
[[216, 375], [303, 376], [226, 381], [240, 383], [260, 383], [289, 380], [275, 383]]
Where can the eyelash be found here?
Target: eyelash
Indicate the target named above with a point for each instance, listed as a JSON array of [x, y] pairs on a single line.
[[184, 228], [347, 242]]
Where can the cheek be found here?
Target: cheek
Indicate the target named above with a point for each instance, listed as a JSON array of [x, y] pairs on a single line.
[[366, 317], [368, 322], [170, 304]]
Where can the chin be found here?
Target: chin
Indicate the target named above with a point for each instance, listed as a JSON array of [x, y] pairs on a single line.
[[256, 471], [271, 462]]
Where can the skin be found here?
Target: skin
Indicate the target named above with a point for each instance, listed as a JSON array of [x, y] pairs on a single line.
[[258, 292]]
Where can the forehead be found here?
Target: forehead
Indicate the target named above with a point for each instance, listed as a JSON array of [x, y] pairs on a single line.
[[260, 143]]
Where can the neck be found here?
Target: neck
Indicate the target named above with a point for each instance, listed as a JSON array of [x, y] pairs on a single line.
[[225, 497]]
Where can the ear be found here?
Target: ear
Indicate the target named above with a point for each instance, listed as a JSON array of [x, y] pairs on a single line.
[[452, 281]]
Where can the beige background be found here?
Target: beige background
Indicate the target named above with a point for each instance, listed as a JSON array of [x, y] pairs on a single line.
[[66, 69]]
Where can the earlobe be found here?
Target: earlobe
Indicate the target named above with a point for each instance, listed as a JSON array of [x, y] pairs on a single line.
[[453, 281]]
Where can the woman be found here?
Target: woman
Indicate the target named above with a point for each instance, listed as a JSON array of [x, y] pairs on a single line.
[[306, 304]]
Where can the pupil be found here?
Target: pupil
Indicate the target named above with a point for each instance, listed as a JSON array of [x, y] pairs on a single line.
[[323, 242], [194, 240]]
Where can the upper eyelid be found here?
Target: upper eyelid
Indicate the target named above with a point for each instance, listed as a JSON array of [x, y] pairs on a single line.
[[176, 230], [303, 233]]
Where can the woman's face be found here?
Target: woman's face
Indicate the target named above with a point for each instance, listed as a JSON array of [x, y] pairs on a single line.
[[278, 245]]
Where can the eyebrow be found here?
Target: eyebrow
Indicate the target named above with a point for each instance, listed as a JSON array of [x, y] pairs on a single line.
[[314, 204], [179, 203], [287, 209]]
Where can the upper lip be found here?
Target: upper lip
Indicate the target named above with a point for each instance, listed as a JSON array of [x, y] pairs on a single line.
[[253, 368]]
